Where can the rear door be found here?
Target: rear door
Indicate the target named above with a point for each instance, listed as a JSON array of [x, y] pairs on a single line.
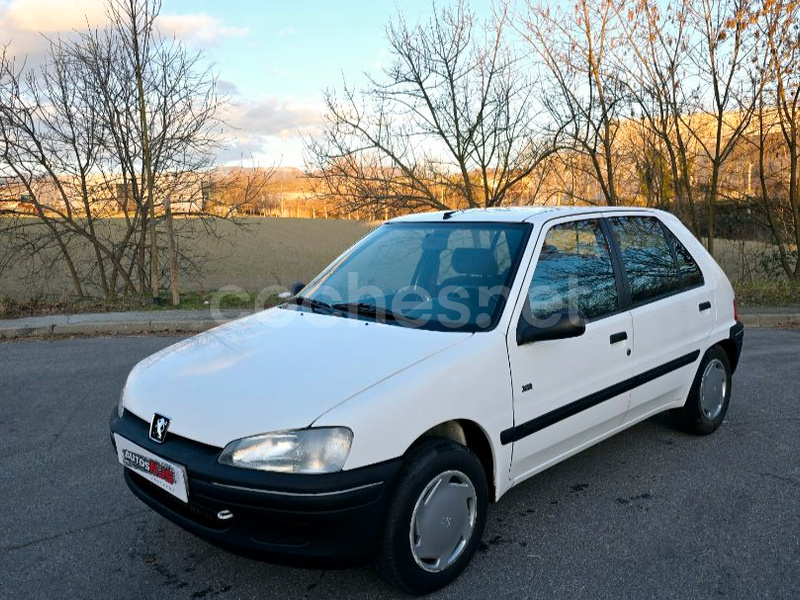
[[564, 396], [671, 308]]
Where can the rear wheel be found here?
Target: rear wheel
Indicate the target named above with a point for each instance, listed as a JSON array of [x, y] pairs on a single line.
[[435, 519], [709, 396]]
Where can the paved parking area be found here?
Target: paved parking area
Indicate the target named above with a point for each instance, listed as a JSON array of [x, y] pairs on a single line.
[[651, 513]]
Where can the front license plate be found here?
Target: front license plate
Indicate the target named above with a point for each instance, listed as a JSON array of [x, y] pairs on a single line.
[[167, 475]]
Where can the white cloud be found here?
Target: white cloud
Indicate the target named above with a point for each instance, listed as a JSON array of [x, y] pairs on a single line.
[[228, 88], [266, 151], [25, 23], [269, 130], [49, 16], [273, 116], [198, 28]]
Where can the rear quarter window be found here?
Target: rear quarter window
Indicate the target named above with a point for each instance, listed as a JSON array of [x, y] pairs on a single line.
[[690, 273], [647, 258]]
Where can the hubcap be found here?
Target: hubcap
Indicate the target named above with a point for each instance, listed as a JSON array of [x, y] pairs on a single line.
[[443, 521], [713, 389]]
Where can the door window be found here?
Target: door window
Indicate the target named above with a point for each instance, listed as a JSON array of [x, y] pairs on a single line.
[[574, 271], [647, 258]]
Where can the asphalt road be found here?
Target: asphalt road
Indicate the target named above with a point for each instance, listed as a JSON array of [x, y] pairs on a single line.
[[651, 513]]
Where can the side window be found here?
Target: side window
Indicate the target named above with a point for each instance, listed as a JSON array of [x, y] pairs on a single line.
[[574, 271], [647, 257], [691, 275]]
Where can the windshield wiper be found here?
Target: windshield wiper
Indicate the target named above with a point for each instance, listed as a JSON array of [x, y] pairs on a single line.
[[366, 309], [313, 304]]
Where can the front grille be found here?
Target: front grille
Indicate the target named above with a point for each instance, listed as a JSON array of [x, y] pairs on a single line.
[[202, 515]]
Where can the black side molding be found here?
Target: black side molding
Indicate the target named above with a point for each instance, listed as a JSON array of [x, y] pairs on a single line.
[[523, 430]]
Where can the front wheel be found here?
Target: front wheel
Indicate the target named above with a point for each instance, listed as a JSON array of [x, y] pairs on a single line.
[[435, 519], [709, 396]]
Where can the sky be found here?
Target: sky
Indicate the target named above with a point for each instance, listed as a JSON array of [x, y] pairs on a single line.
[[273, 58]]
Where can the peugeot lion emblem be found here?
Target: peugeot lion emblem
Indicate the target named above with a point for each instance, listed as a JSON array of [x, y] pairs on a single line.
[[158, 428]]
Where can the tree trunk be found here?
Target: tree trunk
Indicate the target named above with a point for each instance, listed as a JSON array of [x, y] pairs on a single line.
[[794, 200], [147, 158], [73, 272], [712, 200], [173, 253]]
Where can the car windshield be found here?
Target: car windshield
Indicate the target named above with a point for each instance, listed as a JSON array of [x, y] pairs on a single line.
[[437, 276]]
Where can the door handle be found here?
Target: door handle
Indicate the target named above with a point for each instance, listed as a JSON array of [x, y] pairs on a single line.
[[705, 306], [619, 337]]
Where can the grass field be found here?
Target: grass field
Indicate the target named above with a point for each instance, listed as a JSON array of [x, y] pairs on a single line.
[[275, 251], [261, 253], [271, 251]]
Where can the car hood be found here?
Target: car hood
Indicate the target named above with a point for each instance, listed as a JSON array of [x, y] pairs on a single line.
[[278, 369]]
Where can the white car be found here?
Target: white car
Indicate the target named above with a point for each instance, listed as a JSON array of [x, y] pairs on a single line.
[[442, 360]]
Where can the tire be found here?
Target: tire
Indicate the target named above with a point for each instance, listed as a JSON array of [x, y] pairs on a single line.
[[461, 482], [701, 414]]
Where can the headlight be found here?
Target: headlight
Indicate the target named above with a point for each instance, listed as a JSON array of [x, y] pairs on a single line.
[[316, 450]]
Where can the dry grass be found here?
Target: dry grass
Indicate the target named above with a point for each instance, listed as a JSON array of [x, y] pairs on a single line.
[[771, 292], [262, 253], [746, 260], [275, 251]]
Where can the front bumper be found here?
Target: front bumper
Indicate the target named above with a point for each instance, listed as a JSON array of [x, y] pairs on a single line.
[[329, 519]]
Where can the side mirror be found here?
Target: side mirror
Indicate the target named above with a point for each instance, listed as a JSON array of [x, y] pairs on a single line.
[[562, 324], [296, 287]]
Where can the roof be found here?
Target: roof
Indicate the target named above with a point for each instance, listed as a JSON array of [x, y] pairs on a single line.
[[512, 214]]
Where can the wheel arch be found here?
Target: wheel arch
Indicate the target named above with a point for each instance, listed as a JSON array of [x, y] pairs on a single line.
[[471, 435], [731, 351]]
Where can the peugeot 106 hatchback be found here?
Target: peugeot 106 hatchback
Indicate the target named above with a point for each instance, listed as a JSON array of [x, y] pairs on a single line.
[[439, 362]]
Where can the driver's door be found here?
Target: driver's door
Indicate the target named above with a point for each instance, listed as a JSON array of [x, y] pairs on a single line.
[[564, 394]]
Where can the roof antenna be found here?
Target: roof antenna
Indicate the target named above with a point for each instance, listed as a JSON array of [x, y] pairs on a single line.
[[449, 214]]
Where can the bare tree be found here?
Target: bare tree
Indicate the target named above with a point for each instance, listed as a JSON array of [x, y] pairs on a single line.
[[51, 143], [450, 123], [654, 65], [160, 114], [778, 128], [581, 91], [721, 58], [118, 119]]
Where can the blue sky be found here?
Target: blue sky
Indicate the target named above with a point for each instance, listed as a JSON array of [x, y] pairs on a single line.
[[285, 55], [273, 58], [297, 49]]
